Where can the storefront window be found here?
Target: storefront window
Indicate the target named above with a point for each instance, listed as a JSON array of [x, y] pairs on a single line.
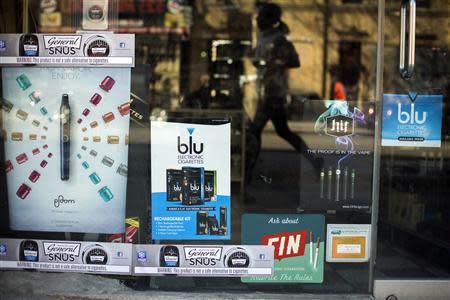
[[218, 136]]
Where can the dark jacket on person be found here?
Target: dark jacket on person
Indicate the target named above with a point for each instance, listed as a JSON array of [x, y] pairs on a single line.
[[274, 54]]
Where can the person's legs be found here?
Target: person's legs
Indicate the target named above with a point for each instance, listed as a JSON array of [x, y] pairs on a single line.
[[253, 140], [278, 116]]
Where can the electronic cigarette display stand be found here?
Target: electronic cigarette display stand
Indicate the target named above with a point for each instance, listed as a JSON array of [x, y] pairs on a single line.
[[66, 120], [336, 170]]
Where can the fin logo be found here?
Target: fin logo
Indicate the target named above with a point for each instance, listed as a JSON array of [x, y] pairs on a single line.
[[190, 147], [287, 244]]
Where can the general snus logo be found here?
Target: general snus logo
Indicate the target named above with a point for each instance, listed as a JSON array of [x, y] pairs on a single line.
[[236, 258], [62, 44], [59, 251], [339, 125], [61, 200], [190, 147], [203, 256], [96, 46]]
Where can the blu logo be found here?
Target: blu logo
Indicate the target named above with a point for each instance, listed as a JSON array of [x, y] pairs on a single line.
[[411, 117], [190, 147], [177, 188], [194, 187]]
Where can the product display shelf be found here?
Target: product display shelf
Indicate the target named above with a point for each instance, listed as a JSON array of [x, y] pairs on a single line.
[[137, 30], [237, 117]]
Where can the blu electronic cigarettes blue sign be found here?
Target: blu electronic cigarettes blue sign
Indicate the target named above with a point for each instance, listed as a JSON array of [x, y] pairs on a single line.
[[191, 180], [411, 120]]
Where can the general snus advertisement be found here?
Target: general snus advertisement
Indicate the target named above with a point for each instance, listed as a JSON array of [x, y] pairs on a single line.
[[337, 167], [190, 180], [66, 145], [66, 256], [203, 260]]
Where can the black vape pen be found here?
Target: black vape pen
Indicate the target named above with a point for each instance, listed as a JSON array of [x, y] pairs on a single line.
[[330, 177], [322, 181], [352, 188], [64, 137], [223, 220]]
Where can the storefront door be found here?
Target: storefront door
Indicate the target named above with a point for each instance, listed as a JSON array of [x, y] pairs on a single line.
[[413, 247]]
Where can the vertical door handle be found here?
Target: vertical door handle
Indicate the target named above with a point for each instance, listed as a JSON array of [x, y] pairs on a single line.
[[407, 68]]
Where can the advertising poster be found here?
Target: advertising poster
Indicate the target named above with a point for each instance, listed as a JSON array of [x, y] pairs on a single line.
[[203, 260], [67, 129], [299, 245], [411, 120], [66, 146], [66, 256], [105, 50], [190, 178], [348, 242], [337, 168]]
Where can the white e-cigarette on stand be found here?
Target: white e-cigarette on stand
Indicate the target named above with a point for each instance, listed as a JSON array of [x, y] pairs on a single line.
[[352, 188], [345, 183], [316, 254], [338, 176], [322, 183], [330, 177]]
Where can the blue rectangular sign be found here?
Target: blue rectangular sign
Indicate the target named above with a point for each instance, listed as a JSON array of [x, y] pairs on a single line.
[[190, 180], [411, 120]]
